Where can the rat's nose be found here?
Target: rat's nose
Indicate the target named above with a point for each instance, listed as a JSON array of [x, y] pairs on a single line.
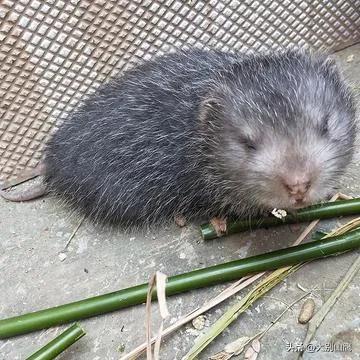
[[297, 187]]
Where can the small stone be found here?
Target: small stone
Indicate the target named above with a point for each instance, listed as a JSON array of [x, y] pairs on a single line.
[[307, 311], [62, 256], [121, 348], [199, 322], [182, 255]]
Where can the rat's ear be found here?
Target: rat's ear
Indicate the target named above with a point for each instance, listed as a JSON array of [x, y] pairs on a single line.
[[328, 64], [209, 110], [211, 103]]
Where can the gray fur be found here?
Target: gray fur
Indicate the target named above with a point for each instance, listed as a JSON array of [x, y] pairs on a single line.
[[202, 134]]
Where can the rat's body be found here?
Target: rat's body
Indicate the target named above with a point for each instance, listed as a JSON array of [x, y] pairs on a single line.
[[202, 133]]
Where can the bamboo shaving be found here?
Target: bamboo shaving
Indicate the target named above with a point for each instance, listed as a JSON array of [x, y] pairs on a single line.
[[74, 232], [158, 280], [228, 292]]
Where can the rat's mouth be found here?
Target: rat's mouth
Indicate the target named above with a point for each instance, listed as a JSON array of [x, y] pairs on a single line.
[[290, 204], [292, 208], [301, 205]]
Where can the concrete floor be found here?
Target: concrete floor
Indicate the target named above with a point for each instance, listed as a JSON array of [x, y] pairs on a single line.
[[101, 260]]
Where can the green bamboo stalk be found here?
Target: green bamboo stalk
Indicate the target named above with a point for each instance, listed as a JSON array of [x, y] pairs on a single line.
[[248, 300], [318, 211], [59, 344], [179, 283]]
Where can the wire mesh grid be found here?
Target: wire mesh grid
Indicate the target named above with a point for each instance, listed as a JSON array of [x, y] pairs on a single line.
[[53, 53]]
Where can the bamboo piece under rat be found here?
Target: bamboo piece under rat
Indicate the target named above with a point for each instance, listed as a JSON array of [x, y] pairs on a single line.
[[177, 284], [319, 211]]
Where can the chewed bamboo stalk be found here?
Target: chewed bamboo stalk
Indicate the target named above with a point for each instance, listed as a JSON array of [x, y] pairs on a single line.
[[319, 211]]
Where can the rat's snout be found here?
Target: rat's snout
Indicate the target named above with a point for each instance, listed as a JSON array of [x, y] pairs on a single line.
[[297, 186]]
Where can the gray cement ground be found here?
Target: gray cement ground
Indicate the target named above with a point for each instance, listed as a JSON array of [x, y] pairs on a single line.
[[100, 261]]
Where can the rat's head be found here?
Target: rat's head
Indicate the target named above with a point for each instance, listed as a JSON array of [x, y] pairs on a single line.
[[282, 128]]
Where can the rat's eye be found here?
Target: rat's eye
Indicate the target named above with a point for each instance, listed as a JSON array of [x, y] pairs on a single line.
[[324, 126], [248, 143]]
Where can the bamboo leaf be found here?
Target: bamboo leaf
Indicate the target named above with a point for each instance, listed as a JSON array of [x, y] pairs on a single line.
[[231, 314], [253, 350], [256, 345]]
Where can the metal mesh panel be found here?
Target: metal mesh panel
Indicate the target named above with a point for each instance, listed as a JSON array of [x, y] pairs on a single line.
[[54, 52]]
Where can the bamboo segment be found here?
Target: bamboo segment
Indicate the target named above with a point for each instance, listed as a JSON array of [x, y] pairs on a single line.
[[319, 211], [59, 344], [177, 284]]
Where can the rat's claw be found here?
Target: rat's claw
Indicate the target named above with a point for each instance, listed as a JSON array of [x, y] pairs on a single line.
[[220, 225], [180, 220]]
